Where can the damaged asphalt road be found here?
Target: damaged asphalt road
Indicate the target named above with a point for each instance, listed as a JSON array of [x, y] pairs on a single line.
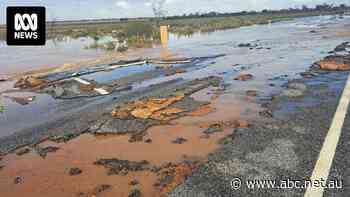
[[283, 147], [98, 110], [82, 107]]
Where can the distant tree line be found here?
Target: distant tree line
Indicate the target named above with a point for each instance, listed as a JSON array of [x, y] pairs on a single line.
[[304, 8]]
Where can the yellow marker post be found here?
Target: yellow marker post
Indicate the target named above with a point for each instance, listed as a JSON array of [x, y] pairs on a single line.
[[164, 35]]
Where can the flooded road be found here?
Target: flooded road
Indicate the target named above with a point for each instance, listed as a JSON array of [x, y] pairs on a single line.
[[16, 59], [282, 50], [276, 54]]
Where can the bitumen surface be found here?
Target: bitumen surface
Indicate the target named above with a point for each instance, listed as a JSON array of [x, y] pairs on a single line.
[[280, 148]]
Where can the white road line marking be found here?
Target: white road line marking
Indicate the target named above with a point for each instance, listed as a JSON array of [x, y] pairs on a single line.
[[125, 65], [99, 90], [82, 81], [325, 160]]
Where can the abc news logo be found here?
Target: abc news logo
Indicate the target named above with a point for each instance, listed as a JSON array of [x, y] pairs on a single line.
[[26, 26]]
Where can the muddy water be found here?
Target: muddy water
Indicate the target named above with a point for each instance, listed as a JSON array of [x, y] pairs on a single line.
[[15, 59], [50, 175], [287, 48]]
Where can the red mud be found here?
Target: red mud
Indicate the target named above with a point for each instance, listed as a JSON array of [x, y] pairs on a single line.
[[50, 176]]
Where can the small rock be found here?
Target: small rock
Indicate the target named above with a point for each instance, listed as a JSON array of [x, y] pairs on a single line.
[[134, 193], [18, 180], [137, 137], [44, 151], [148, 141], [245, 45], [134, 182], [266, 113], [75, 171], [214, 128], [244, 77], [100, 188], [313, 31], [179, 140], [23, 151]]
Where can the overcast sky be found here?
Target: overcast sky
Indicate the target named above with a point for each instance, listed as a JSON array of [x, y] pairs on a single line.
[[83, 9]]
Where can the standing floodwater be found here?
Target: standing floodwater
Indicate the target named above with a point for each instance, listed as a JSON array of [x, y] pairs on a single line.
[[277, 52]]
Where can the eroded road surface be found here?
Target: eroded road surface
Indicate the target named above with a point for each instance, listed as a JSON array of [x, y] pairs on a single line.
[[256, 104]]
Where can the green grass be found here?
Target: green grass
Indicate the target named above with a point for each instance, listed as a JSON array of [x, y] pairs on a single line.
[[2, 108], [141, 34]]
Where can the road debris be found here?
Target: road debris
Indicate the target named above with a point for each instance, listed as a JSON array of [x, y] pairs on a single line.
[[78, 88], [29, 82], [23, 151], [342, 47], [338, 62], [172, 175], [63, 138], [244, 77], [18, 180], [135, 117], [252, 93], [75, 171], [334, 63], [123, 167], [135, 193], [179, 140], [294, 90], [214, 128], [134, 182], [266, 113], [157, 109], [42, 152], [25, 100], [96, 191], [101, 91], [219, 126]]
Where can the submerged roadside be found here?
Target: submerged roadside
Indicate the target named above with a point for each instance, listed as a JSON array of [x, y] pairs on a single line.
[[150, 139], [282, 146]]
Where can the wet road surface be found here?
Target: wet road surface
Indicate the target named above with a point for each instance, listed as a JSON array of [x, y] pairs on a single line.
[[286, 146]]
